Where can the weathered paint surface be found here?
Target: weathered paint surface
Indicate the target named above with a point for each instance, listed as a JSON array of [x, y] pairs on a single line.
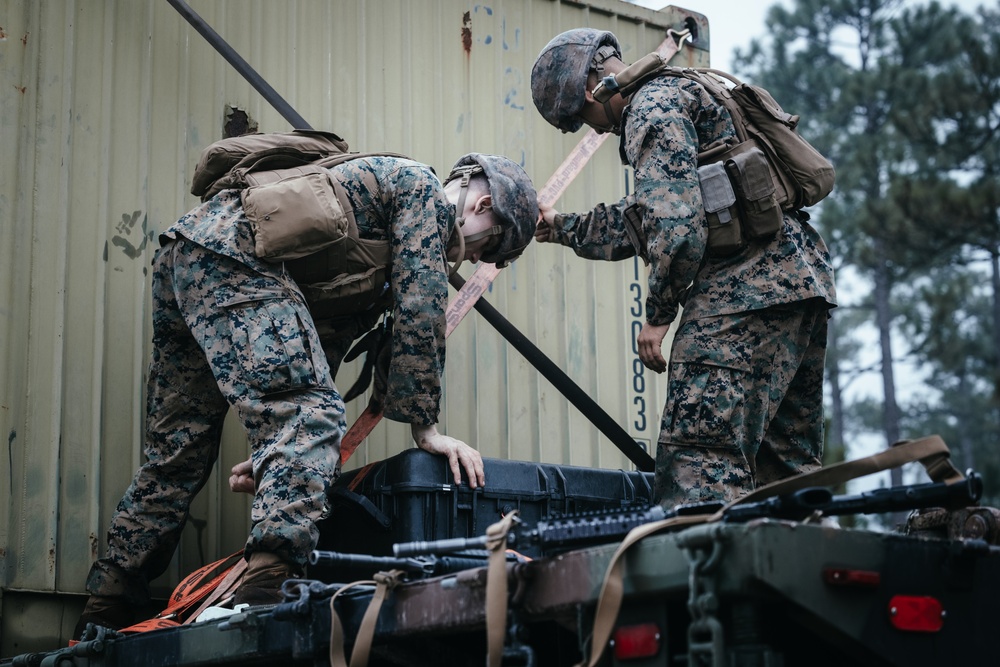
[[104, 109]]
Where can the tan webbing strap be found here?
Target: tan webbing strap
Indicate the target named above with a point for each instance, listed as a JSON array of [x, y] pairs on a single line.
[[496, 588], [337, 658], [363, 643], [383, 582], [222, 590], [931, 451], [609, 600]]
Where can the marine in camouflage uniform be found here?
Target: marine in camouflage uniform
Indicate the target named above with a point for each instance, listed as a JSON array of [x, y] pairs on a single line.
[[745, 397], [232, 330]]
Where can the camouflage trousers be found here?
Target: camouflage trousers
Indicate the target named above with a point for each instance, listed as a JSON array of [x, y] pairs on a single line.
[[226, 335], [744, 404]]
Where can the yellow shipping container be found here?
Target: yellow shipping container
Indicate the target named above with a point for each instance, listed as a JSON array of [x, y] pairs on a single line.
[[104, 108]]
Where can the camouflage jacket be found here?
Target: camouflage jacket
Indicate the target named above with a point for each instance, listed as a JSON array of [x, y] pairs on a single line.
[[393, 199], [666, 124]]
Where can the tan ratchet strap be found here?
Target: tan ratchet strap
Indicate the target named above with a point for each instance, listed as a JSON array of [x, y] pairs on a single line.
[[221, 590], [496, 588], [931, 451], [383, 582]]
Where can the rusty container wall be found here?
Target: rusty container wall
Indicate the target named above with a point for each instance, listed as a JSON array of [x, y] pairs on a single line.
[[104, 108]]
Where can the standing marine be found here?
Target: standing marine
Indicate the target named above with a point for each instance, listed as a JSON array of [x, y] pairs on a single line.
[[745, 387]]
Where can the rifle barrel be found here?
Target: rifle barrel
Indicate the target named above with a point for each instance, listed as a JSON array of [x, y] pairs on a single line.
[[332, 558], [802, 503], [404, 549]]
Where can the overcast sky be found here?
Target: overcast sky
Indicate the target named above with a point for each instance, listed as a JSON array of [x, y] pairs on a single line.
[[733, 23]]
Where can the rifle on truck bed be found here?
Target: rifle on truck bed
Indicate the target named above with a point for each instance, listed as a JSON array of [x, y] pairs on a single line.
[[415, 566], [577, 531]]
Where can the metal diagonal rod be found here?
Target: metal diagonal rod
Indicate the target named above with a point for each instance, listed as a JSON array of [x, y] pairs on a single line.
[[572, 391], [242, 66]]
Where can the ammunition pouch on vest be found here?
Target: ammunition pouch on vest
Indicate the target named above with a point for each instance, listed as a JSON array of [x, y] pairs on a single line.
[[725, 234], [739, 198]]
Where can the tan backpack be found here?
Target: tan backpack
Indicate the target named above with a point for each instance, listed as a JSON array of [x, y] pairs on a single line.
[[301, 215], [770, 168]]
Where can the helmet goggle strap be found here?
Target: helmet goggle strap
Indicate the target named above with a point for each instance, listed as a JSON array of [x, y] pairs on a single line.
[[600, 57], [466, 172], [510, 256]]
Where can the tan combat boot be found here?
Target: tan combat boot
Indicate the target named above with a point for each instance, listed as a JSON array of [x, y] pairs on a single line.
[[109, 611], [263, 578]]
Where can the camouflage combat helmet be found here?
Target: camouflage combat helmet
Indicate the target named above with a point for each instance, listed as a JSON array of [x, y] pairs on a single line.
[[514, 202], [559, 76]]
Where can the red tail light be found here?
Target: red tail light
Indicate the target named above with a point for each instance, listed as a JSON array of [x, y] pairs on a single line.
[[636, 641], [916, 613]]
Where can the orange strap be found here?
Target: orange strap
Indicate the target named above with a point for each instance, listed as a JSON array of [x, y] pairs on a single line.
[[219, 590], [191, 590], [359, 430], [150, 624], [197, 585]]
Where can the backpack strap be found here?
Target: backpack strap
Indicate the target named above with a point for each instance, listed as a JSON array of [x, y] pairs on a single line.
[[334, 160], [630, 79], [931, 451]]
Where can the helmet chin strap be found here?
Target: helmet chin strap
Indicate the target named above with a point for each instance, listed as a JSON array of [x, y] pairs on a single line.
[[464, 241], [613, 125], [467, 173], [461, 248]]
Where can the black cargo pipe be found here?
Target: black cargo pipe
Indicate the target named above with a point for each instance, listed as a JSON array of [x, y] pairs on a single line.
[[601, 419], [572, 391], [243, 67]]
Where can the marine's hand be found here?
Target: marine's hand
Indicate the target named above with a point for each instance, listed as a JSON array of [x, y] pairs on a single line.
[[459, 454], [241, 479], [546, 223], [650, 342]]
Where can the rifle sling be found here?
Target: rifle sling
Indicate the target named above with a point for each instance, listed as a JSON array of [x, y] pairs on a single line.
[[931, 451]]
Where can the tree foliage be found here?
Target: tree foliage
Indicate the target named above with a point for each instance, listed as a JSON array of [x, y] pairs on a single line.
[[905, 100]]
